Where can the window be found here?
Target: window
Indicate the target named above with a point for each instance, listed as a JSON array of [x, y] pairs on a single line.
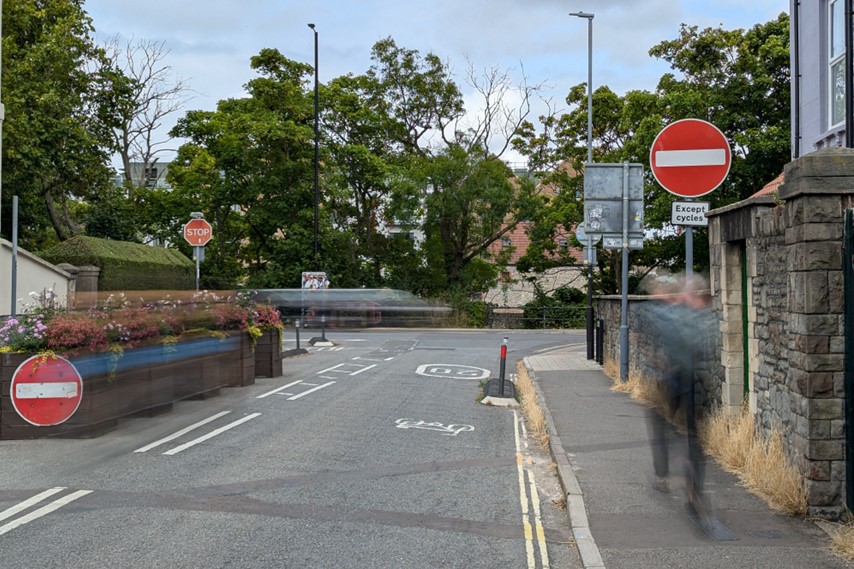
[[563, 244], [836, 62], [151, 176], [505, 242]]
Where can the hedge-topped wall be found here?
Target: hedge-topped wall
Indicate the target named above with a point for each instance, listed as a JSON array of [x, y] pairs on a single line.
[[127, 266]]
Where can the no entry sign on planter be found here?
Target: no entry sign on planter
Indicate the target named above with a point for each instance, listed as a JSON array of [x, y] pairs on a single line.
[[46, 390]]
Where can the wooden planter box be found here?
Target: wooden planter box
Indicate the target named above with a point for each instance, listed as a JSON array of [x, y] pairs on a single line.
[[268, 354], [144, 380]]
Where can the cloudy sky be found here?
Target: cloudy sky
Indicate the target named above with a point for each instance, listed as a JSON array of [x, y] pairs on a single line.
[[211, 41]]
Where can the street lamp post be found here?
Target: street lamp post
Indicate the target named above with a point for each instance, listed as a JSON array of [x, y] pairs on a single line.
[[589, 17], [316, 144]]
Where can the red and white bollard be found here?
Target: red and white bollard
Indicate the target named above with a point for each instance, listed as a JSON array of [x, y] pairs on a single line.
[[502, 367]]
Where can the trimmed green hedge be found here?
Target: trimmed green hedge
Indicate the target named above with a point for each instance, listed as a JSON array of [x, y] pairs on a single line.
[[127, 266]]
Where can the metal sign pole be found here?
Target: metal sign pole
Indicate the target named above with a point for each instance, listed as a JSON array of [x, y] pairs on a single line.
[[624, 305], [589, 262], [197, 253], [689, 255], [14, 255]]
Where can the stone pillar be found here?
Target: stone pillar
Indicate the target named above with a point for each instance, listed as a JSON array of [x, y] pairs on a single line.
[[72, 283], [818, 188], [87, 285]]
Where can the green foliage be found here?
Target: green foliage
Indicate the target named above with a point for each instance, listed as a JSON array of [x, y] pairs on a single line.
[[476, 314], [566, 308], [60, 102], [738, 80], [127, 266]]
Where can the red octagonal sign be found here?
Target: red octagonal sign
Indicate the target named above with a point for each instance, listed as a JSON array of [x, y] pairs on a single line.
[[198, 232], [690, 158], [46, 391]]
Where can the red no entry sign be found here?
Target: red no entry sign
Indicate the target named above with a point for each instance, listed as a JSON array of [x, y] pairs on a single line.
[[198, 232], [690, 158], [46, 390]]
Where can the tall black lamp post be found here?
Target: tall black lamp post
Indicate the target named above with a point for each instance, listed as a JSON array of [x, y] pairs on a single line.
[[316, 145], [589, 244]]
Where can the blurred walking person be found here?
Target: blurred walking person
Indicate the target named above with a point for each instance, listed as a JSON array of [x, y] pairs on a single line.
[[682, 321]]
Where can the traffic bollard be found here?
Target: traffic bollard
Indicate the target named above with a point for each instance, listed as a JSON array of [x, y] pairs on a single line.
[[296, 329], [502, 367], [323, 328]]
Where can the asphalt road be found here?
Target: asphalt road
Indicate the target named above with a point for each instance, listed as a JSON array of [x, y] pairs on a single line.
[[371, 453]]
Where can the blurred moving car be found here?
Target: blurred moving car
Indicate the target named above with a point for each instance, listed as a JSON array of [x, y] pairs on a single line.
[[353, 307]]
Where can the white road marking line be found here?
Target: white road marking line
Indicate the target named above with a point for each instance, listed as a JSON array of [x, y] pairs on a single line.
[[538, 521], [329, 369], [278, 389], [523, 496], [29, 502], [326, 377], [705, 157], [304, 393], [211, 435], [363, 369], [44, 510], [182, 432]]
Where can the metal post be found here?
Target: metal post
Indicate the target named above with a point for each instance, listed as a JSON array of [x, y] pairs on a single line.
[[316, 143], [198, 263], [502, 367], [589, 18], [2, 118], [14, 255], [296, 329], [624, 306], [849, 76], [590, 331], [689, 255], [600, 342], [323, 328]]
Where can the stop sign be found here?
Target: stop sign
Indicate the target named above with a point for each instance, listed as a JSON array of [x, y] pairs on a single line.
[[46, 391], [690, 158], [198, 232]]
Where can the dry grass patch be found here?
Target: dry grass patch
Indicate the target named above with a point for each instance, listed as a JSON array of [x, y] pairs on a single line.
[[760, 463], [842, 537], [531, 406]]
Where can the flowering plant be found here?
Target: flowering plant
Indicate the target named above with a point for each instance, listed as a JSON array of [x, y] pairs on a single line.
[[118, 322], [26, 332]]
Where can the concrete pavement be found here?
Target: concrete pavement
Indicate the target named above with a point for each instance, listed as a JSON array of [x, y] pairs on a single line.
[[600, 442]]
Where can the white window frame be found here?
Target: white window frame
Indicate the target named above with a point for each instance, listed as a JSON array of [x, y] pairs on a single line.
[[834, 60]]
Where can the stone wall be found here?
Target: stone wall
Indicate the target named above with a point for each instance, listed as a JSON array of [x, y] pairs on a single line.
[[777, 287], [786, 334], [643, 342], [515, 291]]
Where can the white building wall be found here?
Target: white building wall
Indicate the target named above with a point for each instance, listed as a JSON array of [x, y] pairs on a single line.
[[34, 275]]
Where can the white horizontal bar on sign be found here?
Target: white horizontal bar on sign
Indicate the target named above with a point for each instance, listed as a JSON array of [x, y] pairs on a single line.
[[672, 158], [58, 389]]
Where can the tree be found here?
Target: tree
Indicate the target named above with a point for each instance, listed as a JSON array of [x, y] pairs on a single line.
[[58, 116], [434, 163], [249, 167], [149, 95], [737, 80]]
